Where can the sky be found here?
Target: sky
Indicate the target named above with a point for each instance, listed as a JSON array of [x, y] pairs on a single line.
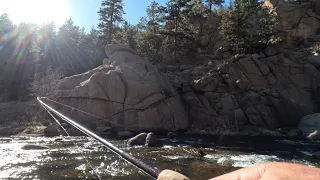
[[82, 12]]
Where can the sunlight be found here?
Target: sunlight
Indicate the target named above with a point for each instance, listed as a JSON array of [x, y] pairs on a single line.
[[36, 11]]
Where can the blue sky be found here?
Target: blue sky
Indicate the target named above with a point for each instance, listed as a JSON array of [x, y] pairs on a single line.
[[84, 12]]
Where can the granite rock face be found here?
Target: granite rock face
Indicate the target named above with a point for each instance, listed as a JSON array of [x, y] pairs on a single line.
[[267, 91], [127, 91]]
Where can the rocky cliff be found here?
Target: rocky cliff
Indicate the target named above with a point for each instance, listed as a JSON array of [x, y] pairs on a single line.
[[126, 90], [297, 19], [269, 90]]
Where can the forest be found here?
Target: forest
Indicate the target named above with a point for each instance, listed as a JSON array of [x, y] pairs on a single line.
[[174, 33]]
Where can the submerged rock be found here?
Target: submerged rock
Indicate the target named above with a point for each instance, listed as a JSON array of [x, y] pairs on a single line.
[[139, 139], [34, 147], [314, 135], [310, 126], [51, 131], [317, 154], [171, 134], [58, 139]]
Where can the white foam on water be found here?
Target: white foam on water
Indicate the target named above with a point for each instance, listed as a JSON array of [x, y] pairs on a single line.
[[82, 167], [250, 160], [245, 160], [174, 157]]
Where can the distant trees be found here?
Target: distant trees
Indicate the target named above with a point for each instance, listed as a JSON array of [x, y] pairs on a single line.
[[246, 23], [175, 31], [28, 49], [211, 3], [111, 12], [149, 41]]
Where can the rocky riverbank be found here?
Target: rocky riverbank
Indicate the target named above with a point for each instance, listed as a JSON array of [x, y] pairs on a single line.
[[261, 94], [269, 91]]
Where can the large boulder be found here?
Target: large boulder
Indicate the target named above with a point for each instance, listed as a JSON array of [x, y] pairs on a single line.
[[296, 19], [126, 90], [139, 139], [310, 126], [151, 140]]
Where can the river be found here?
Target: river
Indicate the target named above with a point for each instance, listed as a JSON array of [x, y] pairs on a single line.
[[76, 157]]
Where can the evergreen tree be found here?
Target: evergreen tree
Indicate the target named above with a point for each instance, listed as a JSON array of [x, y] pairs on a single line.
[[7, 45], [246, 23], [175, 8], [211, 3], [69, 54], [5, 24], [111, 12], [155, 17], [142, 25]]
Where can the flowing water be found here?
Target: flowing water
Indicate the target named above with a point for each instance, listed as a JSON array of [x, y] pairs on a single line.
[[68, 157]]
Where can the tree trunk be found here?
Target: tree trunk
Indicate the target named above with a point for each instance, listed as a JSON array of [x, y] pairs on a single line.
[[110, 25], [175, 41]]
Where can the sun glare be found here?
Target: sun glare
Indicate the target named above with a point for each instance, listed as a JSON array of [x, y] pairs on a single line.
[[36, 11]]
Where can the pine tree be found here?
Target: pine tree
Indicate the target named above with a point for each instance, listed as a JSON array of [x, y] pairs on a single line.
[[246, 23], [155, 16], [175, 9], [214, 2], [111, 12]]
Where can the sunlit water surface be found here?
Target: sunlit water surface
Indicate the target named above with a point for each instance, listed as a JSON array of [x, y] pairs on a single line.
[[84, 158]]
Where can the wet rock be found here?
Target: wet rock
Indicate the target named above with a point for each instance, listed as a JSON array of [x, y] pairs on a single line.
[[293, 133], [201, 153], [103, 128], [34, 147], [139, 139], [266, 132], [315, 135], [316, 154], [171, 134], [51, 131], [58, 139], [151, 140], [11, 130], [310, 126], [74, 132], [124, 134]]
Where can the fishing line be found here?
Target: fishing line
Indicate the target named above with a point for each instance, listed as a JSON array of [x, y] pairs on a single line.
[[105, 119], [148, 170], [79, 149]]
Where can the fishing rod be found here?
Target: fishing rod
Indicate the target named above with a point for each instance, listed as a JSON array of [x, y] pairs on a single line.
[[151, 171]]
